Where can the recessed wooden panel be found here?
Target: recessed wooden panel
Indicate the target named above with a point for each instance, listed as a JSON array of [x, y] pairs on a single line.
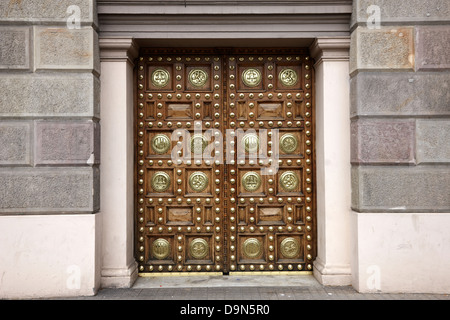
[[160, 182], [290, 248], [198, 77], [160, 249], [270, 110], [199, 249], [179, 111], [179, 215], [270, 215]]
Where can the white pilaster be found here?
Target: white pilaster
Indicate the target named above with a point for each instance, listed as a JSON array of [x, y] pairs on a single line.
[[333, 176], [119, 268]]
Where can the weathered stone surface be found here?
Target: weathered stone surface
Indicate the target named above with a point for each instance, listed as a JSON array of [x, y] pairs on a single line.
[[14, 48], [416, 94], [67, 142], [383, 141], [37, 190], [63, 48], [433, 47], [47, 10], [433, 141], [402, 11], [401, 189], [50, 95], [383, 49], [15, 143]]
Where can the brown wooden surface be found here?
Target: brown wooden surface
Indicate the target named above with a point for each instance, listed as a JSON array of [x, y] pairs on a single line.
[[225, 227]]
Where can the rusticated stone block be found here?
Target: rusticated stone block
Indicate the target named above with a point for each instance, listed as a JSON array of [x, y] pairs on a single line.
[[15, 143], [400, 189], [382, 49], [401, 11], [433, 47], [40, 190], [67, 143], [14, 48], [49, 95], [383, 141], [63, 48], [53, 11], [433, 141], [399, 94]]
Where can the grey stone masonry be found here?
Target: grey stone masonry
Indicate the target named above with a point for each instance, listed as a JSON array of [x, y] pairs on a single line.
[[401, 189], [41, 190], [401, 94], [63, 48], [14, 48], [67, 143], [49, 95], [400, 105], [386, 48], [49, 107], [15, 143], [433, 141], [383, 141], [433, 48], [48, 11], [394, 12]]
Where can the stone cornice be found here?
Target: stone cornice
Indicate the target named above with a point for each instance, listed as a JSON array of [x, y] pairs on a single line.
[[144, 19]]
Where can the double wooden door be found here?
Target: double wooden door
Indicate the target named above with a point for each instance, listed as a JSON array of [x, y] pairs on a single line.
[[224, 161]]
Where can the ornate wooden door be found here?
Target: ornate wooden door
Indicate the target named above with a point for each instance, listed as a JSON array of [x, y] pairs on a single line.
[[224, 161]]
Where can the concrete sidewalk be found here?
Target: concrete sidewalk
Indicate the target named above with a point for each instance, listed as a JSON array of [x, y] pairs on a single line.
[[245, 287]]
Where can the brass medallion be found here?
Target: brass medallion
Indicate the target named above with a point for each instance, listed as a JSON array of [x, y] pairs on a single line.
[[251, 77], [250, 142], [198, 77], [199, 248], [288, 77], [290, 248], [160, 143], [160, 181], [288, 143], [160, 78], [198, 181], [161, 249], [251, 181], [289, 181], [198, 144], [252, 248]]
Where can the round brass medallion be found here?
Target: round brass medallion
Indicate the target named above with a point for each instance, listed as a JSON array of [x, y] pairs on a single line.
[[161, 249], [290, 248], [198, 181], [288, 143], [160, 78], [199, 248], [288, 77], [289, 181], [198, 77], [252, 248], [160, 143], [251, 77], [250, 142], [251, 181], [160, 181], [198, 144]]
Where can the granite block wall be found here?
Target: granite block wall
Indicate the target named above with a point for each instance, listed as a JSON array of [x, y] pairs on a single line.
[[49, 107], [400, 106]]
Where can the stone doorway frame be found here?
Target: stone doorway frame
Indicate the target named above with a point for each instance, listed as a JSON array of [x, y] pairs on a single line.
[[333, 180]]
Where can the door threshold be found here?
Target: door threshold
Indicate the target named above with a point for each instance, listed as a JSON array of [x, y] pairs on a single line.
[[212, 280]]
